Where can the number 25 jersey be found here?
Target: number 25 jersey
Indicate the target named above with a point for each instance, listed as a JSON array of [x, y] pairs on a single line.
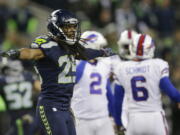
[[57, 73], [140, 81]]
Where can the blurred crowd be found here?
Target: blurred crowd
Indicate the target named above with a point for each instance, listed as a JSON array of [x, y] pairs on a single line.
[[20, 23]]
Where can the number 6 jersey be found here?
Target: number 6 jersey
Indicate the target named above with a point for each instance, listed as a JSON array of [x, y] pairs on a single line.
[[140, 81]]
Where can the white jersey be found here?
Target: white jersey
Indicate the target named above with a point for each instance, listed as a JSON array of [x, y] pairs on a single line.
[[141, 83], [89, 99]]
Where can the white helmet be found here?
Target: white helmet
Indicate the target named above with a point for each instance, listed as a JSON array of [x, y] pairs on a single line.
[[93, 40], [143, 47], [124, 42]]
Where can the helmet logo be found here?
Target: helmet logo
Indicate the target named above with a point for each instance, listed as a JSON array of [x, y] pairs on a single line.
[[54, 19], [91, 38]]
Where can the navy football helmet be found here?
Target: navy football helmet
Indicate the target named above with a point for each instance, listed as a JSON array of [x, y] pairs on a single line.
[[11, 67], [64, 25]]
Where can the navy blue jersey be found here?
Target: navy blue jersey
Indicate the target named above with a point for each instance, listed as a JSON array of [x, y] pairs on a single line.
[[17, 92], [57, 71]]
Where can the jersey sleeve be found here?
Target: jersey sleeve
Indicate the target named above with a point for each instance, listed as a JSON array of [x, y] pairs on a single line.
[[92, 53], [118, 101], [164, 68], [49, 47], [167, 87]]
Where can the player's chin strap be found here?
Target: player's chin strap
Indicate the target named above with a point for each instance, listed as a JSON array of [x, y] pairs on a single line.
[[13, 54]]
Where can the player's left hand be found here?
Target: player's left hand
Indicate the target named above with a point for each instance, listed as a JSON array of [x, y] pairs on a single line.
[[108, 52]]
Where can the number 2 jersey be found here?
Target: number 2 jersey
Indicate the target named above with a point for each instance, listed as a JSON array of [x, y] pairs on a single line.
[[141, 81], [90, 93]]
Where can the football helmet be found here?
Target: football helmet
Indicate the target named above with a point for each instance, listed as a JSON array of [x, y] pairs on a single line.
[[12, 67], [64, 26], [143, 47], [124, 42], [93, 40]]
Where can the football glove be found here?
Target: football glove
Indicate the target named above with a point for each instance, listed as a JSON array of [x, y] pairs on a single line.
[[13, 54], [108, 52]]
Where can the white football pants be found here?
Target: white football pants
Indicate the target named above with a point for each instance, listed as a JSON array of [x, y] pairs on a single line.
[[147, 123], [100, 126]]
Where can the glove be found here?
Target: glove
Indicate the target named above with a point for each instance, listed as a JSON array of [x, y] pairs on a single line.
[[13, 54], [108, 52]]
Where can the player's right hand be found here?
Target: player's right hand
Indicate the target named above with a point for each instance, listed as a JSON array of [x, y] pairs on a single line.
[[11, 54], [119, 130]]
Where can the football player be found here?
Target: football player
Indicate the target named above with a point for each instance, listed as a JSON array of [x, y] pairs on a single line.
[[92, 91], [143, 79], [124, 42], [16, 88], [55, 56]]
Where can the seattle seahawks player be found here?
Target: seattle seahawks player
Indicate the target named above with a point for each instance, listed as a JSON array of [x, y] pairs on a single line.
[[90, 102], [55, 56], [16, 88], [144, 78]]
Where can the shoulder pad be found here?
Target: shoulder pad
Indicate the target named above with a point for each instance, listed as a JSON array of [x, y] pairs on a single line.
[[43, 42], [160, 61]]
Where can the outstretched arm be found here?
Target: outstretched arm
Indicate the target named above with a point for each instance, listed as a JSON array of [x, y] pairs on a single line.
[[92, 53], [24, 54], [88, 53]]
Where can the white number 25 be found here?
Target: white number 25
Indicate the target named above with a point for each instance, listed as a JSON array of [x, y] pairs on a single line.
[[67, 75]]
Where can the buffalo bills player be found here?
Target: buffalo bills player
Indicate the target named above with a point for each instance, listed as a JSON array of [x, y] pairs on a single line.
[[144, 78], [16, 88], [92, 91], [55, 56], [124, 42]]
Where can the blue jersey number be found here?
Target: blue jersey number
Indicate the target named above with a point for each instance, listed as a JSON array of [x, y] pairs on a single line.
[[95, 83], [139, 93]]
